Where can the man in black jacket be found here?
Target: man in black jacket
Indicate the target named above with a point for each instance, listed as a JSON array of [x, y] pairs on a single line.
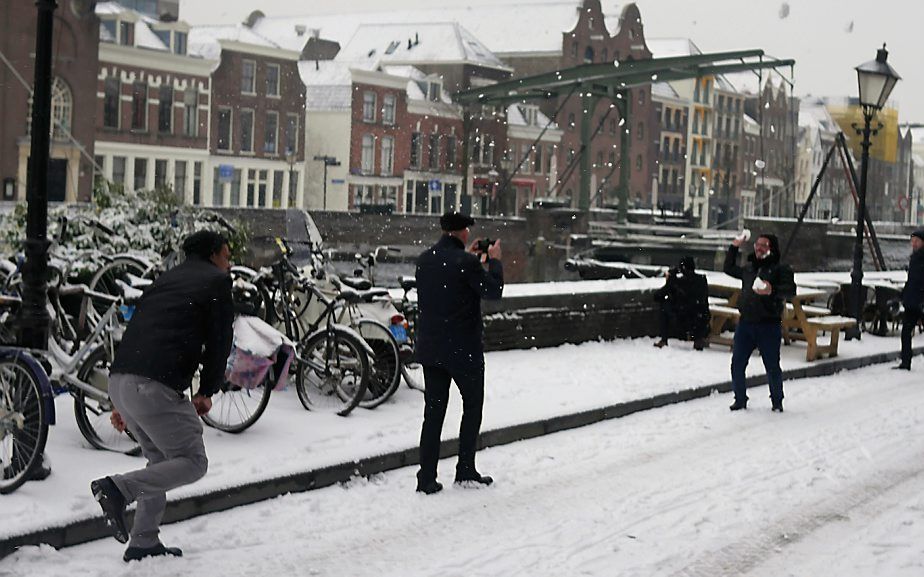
[[684, 305], [765, 286], [912, 297], [183, 320], [450, 285]]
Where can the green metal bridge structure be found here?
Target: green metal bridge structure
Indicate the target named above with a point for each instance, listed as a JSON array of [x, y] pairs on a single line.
[[605, 81]]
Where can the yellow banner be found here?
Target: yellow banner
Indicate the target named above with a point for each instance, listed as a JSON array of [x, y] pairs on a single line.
[[884, 143]]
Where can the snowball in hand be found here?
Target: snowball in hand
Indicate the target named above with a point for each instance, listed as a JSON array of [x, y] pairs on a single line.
[[758, 284], [744, 235]]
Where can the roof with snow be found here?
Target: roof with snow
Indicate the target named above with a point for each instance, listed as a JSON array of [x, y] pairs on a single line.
[[672, 47], [328, 86], [144, 35], [205, 40], [526, 26], [516, 117], [433, 42], [663, 90]]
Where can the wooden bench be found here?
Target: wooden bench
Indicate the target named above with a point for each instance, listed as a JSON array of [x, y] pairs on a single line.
[[718, 301], [831, 324], [794, 320], [720, 315]]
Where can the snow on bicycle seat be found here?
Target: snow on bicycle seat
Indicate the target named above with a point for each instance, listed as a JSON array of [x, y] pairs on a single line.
[[372, 294], [357, 283], [407, 282], [350, 296]]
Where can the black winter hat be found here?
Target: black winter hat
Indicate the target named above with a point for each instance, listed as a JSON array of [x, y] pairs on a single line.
[[919, 233], [452, 221]]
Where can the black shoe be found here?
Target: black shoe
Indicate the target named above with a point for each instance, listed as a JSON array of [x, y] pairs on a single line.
[[661, 344], [700, 344], [473, 479], [777, 407], [40, 473], [112, 502], [738, 405], [902, 367], [430, 487], [139, 553]]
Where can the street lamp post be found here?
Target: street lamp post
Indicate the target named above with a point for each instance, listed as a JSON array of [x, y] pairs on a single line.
[[328, 161], [875, 80], [290, 160], [33, 317]]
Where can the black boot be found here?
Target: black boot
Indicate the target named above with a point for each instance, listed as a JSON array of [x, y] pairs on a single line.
[[473, 479], [777, 406], [738, 405], [902, 367], [139, 553], [112, 502], [661, 344], [429, 487]]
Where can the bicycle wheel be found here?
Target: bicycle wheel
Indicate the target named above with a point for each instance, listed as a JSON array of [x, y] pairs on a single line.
[[104, 281], [413, 376], [384, 366], [332, 373], [236, 408], [23, 424], [93, 413]]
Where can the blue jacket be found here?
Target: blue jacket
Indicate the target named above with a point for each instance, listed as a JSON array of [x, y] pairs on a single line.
[[450, 285]]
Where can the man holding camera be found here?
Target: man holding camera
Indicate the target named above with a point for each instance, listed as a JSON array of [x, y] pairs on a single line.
[[451, 281]]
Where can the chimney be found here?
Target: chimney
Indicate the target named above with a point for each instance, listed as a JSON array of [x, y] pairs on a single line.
[[416, 39], [300, 29]]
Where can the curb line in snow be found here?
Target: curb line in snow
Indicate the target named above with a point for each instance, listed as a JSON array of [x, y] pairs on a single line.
[[78, 532]]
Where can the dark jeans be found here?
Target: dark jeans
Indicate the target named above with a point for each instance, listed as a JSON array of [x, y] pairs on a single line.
[[910, 320], [681, 324], [471, 385], [766, 338]]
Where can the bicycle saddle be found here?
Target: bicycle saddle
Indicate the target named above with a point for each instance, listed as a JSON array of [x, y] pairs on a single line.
[[357, 283], [372, 294], [350, 296]]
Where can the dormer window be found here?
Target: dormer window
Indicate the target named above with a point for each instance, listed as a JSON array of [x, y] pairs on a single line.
[[174, 40], [127, 33], [435, 90]]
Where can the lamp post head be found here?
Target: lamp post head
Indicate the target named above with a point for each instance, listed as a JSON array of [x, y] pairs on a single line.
[[875, 80]]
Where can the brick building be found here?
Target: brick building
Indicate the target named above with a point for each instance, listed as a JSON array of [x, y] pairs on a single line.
[[74, 68]]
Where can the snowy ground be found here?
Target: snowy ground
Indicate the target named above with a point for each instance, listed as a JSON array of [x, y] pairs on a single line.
[[521, 386], [831, 487]]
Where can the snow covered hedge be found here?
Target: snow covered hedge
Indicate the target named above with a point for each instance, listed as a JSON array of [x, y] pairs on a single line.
[[149, 224]]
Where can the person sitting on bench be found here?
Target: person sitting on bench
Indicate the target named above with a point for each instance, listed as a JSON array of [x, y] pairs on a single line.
[[684, 304]]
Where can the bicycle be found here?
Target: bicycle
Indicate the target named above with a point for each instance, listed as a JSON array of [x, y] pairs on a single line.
[[26, 412]]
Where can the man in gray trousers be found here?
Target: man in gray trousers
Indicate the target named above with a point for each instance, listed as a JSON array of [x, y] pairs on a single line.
[[183, 320]]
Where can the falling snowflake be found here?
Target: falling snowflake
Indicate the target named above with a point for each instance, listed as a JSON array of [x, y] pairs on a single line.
[[784, 10]]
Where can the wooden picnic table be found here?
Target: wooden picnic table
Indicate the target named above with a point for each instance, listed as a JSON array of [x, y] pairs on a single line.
[[802, 320]]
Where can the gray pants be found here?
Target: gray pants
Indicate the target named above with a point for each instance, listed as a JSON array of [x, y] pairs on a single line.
[[170, 434]]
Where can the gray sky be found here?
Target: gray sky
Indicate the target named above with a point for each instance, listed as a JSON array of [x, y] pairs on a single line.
[[827, 38]]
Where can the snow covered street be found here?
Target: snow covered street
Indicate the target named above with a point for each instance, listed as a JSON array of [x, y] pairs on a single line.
[[832, 486]]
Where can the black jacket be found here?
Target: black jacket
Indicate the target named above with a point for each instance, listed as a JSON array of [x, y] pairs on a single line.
[[686, 295], [913, 293], [757, 308], [183, 319], [450, 285]]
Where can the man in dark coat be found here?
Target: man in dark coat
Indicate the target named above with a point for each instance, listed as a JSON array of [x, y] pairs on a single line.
[[183, 320], [765, 286], [451, 281], [912, 297], [684, 304]]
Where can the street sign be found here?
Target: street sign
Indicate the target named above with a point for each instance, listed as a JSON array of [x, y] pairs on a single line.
[[225, 173], [337, 181], [435, 185]]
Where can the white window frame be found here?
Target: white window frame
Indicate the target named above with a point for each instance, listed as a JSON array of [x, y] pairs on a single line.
[[369, 106], [367, 154], [275, 149], [243, 113], [253, 79], [278, 69], [388, 155], [389, 107], [230, 129]]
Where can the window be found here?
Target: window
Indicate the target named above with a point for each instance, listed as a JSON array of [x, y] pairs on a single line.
[[434, 92], [640, 132], [367, 159], [111, 103], [224, 129], [62, 106], [293, 188], [246, 130], [291, 133], [107, 30], [236, 189], [262, 177], [278, 177], [450, 152], [141, 173], [388, 155], [160, 174], [487, 151], [248, 77], [179, 43], [271, 132], [118, 170], [368, 106], [251, 187], [415, 149], [272, 80], [434, 151], [126, 34], [179, 178], [218, 188], [163, 36], [191, 110], [165, 110], [537, 159], [388, 109], [139, 106], [588, 55], [197, 183]]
